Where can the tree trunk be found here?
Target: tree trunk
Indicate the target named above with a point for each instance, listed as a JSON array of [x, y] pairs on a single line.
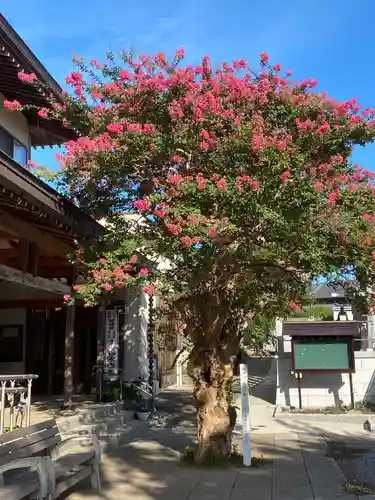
[[211, 369]]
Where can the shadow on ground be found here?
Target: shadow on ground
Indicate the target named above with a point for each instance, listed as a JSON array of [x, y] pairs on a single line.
[[147, 465]]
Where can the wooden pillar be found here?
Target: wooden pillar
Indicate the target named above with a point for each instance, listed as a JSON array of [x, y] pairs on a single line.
[[23, 256], [69, 351], [33, 259]]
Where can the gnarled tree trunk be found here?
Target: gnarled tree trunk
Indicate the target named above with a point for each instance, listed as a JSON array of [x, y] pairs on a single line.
[[211, 367]]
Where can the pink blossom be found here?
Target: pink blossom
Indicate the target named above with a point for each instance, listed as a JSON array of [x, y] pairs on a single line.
[[159, 213], [43, 112], [174, 229], [180, 53], [206, 65], [142, 205], [367, 241], [177, 159], [148, 128], [135, 128], [26, 77], [285, 176], [293, 306], [133, 259], [258, 142], [204, 146], [102, 261], [323, 129], [264, 58], [332, 197], [318, 186], [306, 125], [94, 63], [149, 289], [12, 105], [175, 179], [125, 75], [201, 182], [240, 64], [337, 159], [75, 78], [196, 240], [117, 128], [193, 219], [143, 271], [222, 184], [186, 241], [67, 298], [107, 287], [212, 233], [204, 135]]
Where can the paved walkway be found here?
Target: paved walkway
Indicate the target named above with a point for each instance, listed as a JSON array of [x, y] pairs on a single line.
[[148, 468], [295, 467]]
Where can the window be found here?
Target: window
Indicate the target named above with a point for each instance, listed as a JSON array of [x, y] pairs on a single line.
[[19, 153], [11, 344], [13, 148]]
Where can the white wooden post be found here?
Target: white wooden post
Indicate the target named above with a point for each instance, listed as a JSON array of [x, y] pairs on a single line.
[[246, 438]]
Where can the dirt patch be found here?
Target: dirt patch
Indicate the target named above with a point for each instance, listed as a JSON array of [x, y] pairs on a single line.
[[357, 462]]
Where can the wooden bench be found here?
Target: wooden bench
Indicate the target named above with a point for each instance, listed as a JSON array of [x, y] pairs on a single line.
[[35, 462]]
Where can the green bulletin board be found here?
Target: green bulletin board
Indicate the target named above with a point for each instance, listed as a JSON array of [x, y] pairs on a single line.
[[322, 355]]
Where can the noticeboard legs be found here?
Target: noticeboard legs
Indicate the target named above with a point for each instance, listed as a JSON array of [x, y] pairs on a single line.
[[351, 389], [299, 377]]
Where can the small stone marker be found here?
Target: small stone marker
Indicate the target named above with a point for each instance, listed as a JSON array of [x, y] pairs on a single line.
[[369, 424]]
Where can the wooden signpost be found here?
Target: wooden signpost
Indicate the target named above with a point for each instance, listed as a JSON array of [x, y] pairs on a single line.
[[246, 437]]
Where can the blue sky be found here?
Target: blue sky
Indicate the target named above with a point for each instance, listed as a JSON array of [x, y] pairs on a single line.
[[329, 40]]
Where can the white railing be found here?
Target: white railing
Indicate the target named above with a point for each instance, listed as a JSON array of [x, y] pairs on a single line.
[[15, 400]]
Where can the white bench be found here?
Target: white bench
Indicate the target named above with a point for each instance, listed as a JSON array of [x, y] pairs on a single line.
[[36, 463]]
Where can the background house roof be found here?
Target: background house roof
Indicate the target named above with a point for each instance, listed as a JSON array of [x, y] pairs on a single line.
[[324, 291]]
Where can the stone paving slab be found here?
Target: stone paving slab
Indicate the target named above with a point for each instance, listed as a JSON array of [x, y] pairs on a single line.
[[150, 470]]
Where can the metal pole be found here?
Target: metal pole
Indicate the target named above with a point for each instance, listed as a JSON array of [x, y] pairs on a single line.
[[2, 407], [299, 390], [11, 406], [28, 401], [351, 389], [246, 437]]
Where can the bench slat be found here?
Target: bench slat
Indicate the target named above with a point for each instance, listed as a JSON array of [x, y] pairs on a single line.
[[71, 468], [72, 461], [25, 431], [30, 451], [26, 485], [15, 446], [72, 480]]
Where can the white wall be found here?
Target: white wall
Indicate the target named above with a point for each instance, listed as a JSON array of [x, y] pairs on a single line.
[[15, 123], [320, 390], [12, 317], [135, 336]]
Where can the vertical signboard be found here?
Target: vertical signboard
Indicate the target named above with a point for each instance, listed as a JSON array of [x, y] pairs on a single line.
[[246, 439], [111, 345]]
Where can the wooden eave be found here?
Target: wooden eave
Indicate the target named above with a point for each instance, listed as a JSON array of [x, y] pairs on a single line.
[[15, 56], [25, 196]]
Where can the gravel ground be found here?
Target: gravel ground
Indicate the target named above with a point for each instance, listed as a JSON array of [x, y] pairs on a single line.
[[357, 462]]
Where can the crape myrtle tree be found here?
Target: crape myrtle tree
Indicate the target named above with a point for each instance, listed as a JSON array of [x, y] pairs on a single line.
[[242, 181]]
